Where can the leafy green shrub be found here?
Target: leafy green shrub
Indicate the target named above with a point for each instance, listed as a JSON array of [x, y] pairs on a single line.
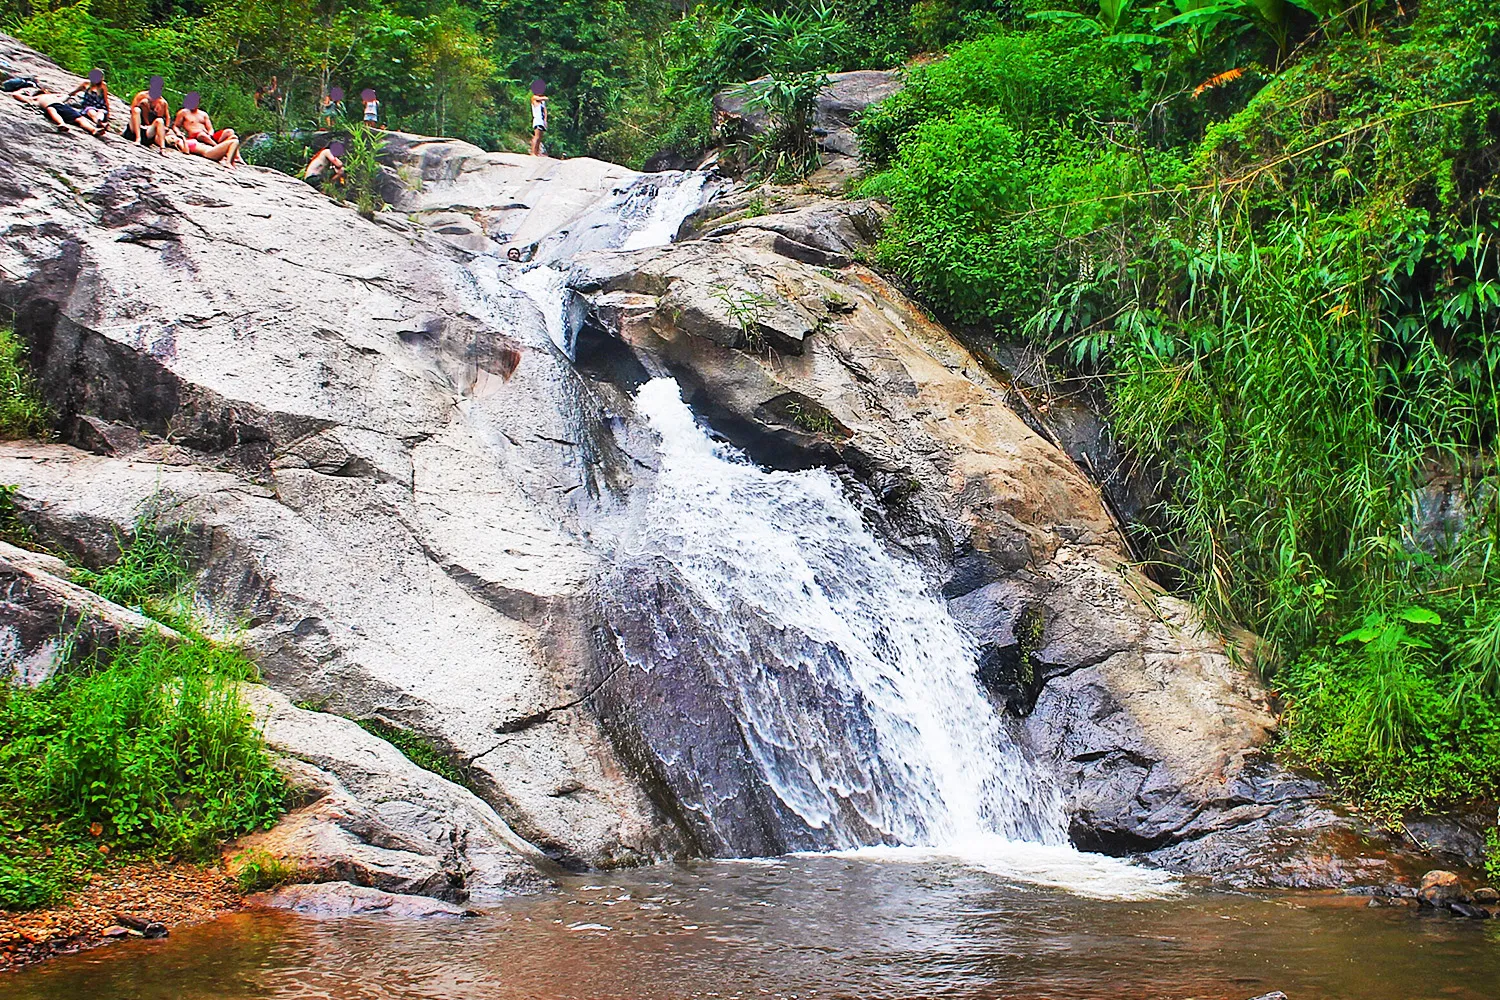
[[22, 411], [787, 150], [1291, 301], [148, 750], [362, 169], [1028, 79]]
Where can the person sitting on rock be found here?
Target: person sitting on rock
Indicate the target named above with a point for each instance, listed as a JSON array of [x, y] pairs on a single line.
[[56, 109], [317, 169], [95, 96], [223, 152], [193, 122], [150, 117]]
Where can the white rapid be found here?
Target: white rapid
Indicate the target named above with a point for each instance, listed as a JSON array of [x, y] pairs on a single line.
[[645, 213], [852, 688]]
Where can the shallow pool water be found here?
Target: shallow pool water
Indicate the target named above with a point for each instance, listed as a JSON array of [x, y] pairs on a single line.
[[811, 927]]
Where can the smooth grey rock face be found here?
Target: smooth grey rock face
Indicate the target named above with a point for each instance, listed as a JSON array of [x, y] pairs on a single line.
[[323, 401]]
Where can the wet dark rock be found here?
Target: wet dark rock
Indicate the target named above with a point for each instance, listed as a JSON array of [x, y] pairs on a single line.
[[145, 926], [1469, 911], [1486, 896], [1456, 839], [1441, 889]]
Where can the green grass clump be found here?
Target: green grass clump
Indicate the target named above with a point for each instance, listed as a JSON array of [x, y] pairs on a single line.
[[256, 870], [144, 751], [418, 749], [22, 412], [150, 574]]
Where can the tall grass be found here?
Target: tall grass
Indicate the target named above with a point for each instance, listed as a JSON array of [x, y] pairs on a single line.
[[22, 411], [146, 751]]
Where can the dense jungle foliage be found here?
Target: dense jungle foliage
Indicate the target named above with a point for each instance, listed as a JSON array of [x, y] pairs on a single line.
[[625, 79], [1266, 234]]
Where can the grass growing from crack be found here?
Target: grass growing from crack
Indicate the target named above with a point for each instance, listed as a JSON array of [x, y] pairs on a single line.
[[418, 749], [145, 751], [256, 870]]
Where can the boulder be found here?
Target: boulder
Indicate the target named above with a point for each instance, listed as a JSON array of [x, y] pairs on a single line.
[[374, 818], [1441, 889], [45, 620], [326, 900]]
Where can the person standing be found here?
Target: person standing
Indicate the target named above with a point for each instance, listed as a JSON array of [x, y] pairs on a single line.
[[332, 111], [538, 115], [372, 108]]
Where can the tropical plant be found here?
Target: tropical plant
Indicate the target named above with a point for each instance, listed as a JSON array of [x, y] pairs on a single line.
[[787, 149]]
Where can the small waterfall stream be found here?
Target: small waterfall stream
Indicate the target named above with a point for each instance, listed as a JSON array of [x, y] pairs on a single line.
[[852, 689], [645, 213]]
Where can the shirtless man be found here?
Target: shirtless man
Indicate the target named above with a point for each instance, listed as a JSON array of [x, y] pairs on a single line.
[[56, 109], [149, 117], [325, 163], [193, 122]]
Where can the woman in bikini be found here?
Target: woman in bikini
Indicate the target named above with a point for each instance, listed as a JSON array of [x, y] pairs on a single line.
[[95, 97], [223, 152]]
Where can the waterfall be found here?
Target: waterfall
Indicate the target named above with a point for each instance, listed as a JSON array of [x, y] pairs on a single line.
[[852, 692], [647, 212]]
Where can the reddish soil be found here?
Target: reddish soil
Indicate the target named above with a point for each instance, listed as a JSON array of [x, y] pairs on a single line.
[[171, 893]]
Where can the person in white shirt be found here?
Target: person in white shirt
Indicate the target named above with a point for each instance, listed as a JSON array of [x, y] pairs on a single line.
[[372, 108], [538, 115]]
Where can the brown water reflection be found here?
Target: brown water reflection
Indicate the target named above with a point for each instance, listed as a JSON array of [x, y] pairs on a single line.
[[804, 928]]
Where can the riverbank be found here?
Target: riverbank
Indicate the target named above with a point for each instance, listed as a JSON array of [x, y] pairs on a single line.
[[172, 894]]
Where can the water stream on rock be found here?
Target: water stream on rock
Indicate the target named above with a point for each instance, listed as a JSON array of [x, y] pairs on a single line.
[[851, 689], [647, 212]]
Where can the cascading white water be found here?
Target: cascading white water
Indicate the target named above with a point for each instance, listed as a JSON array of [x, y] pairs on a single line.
[[853, 689], [645, 213]]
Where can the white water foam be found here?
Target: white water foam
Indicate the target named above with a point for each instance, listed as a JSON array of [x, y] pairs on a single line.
[[1058, 866], [665, 212], [869, 725], [647, 213]]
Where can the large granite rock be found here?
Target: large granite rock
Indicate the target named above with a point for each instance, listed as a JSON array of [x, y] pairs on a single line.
[[372, 817], [373, 442]]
